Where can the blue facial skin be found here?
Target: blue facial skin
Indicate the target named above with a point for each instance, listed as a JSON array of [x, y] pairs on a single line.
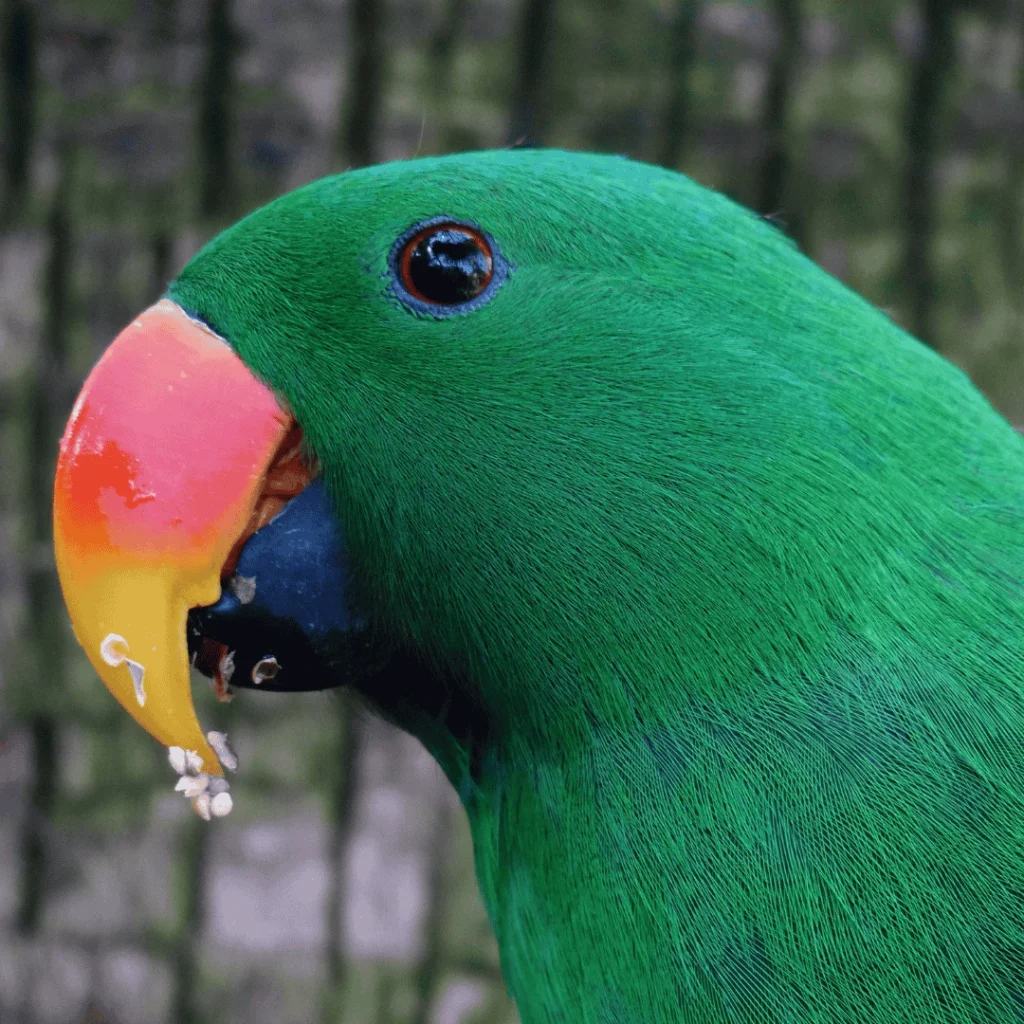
[[284, 614]]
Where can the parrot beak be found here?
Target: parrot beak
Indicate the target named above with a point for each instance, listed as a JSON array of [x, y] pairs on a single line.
[[173, 456]]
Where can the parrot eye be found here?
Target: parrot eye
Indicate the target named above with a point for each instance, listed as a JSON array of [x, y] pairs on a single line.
[[443, 266]]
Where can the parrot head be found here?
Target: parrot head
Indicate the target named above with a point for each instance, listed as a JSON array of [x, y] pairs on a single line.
[[546, 402], [577, 470]]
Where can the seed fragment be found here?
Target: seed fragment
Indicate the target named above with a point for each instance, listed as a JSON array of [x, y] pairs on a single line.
[[226, 666], [202, 805], [243, 587], [208, 793], [138, 673], [114, 651], [223, 750], [221, 805], [222, 677], [264, 669], [192, 785]]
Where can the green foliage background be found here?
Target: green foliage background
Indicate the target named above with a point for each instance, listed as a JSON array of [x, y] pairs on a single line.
[[887, 137]]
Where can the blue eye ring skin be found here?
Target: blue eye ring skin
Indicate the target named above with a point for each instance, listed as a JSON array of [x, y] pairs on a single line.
[[446, 266]]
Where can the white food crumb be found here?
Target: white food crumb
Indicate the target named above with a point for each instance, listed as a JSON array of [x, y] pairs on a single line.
[[202, 805], [208, 793], [138, 673], [227, 667], [243, 587], [221, 747], [107, 652], [264, 669], [221, 805], [192, 785]]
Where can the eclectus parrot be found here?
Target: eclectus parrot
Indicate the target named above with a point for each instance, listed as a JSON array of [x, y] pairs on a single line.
[[702, 581]]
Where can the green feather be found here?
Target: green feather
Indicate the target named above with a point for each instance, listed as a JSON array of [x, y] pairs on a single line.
[[709, 581]]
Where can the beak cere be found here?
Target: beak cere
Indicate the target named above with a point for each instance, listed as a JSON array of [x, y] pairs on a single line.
[[162, 474]]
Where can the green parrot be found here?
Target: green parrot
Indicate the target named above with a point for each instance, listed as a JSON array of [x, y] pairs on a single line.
[[702, 580]]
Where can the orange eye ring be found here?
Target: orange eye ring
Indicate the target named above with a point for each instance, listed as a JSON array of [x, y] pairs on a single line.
[[445, 266]]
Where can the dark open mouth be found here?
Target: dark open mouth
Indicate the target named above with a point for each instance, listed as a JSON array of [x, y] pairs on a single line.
[[282, 615]]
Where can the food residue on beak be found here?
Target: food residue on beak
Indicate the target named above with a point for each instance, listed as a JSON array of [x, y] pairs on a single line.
[[223, 750], [209, 794], [243, 587], [264, 669], [114, 651], [222, 680]]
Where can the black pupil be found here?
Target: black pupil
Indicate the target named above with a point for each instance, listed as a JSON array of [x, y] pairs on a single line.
[[449, 266]]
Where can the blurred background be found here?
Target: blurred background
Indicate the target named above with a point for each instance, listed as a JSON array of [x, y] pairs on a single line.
[[886, 137]]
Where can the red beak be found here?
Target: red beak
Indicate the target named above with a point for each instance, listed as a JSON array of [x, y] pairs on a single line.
[[160, 477]]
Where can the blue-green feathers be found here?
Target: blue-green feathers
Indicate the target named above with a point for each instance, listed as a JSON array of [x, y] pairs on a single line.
[[723, 572]]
